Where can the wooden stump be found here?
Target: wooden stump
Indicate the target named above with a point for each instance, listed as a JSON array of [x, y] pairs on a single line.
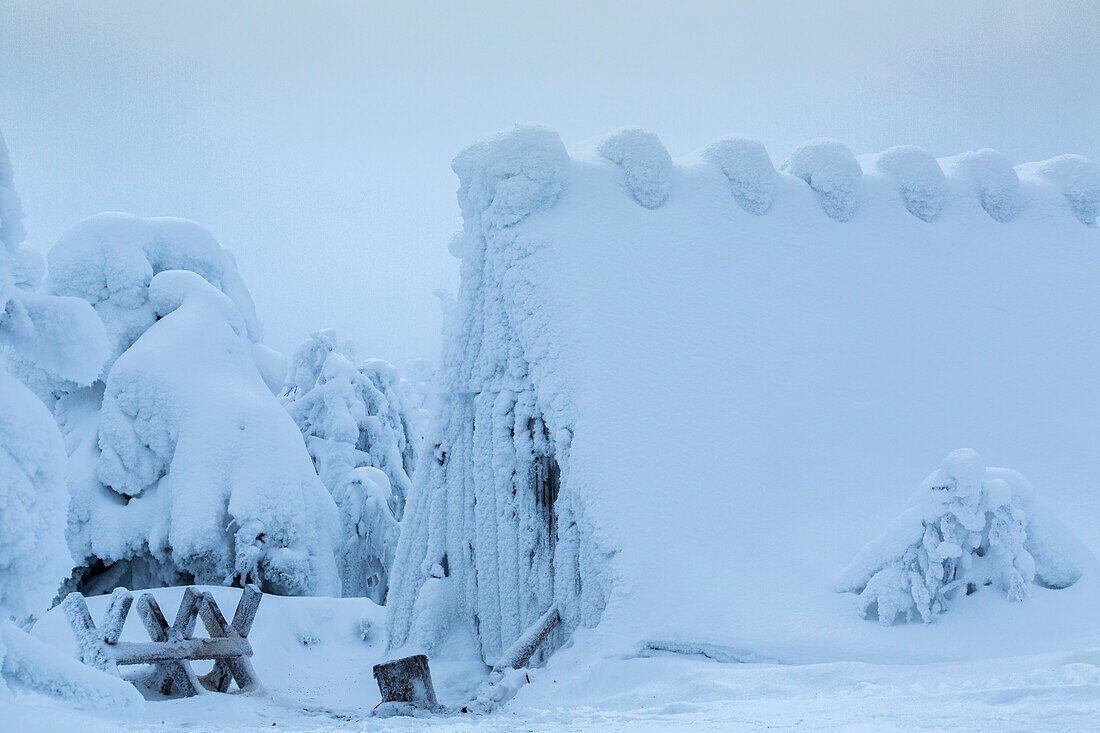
[[406, 680]]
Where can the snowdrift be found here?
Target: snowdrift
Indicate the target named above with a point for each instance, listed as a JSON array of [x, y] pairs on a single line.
[[678, 399]]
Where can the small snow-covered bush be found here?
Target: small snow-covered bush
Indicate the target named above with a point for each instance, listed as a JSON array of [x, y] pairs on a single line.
[[356, 427], [645, 162], [967, 526]]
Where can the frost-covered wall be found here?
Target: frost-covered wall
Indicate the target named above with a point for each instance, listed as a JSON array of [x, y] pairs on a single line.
[[726, 375]]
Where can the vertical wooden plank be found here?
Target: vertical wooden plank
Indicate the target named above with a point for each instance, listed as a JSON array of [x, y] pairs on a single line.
[[188, 613], [115, 618], [168, 674], [239, 668], [93, 651], [246, 609]]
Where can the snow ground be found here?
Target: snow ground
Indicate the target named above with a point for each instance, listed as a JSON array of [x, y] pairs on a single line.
[[317, 672], [671, 693]]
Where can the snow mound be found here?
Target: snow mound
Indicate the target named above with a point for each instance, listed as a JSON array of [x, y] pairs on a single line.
[[209, 476], [33, 502], [967, 526], [832, 172], [1076, 177], [511, 176], [990, 176], [58, 335], [920, 179], [31, 664], [645, 163], [749, 168], [110, 259]]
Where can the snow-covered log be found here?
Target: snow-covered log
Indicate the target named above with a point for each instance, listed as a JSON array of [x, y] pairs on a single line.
[[523, 648]]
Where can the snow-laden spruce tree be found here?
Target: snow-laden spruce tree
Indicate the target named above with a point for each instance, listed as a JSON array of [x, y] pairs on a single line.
[[356, 424], [183, 466], [60, 336], [967, 526]]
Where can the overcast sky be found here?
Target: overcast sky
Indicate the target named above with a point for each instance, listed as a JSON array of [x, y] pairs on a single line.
[[314, 139]]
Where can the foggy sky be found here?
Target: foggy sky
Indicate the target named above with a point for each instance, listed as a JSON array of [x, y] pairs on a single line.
[[314, 139]]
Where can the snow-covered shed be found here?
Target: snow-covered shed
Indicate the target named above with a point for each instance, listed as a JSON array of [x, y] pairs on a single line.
[[680, 396]]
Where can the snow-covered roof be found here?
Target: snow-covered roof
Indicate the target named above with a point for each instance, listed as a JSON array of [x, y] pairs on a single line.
[[751, 369]]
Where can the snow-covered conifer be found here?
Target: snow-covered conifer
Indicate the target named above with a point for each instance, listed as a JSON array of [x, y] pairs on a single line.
[[34, 558], [63, 338], [356, 423], [200, 474], [182, 464], [967, 526]]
